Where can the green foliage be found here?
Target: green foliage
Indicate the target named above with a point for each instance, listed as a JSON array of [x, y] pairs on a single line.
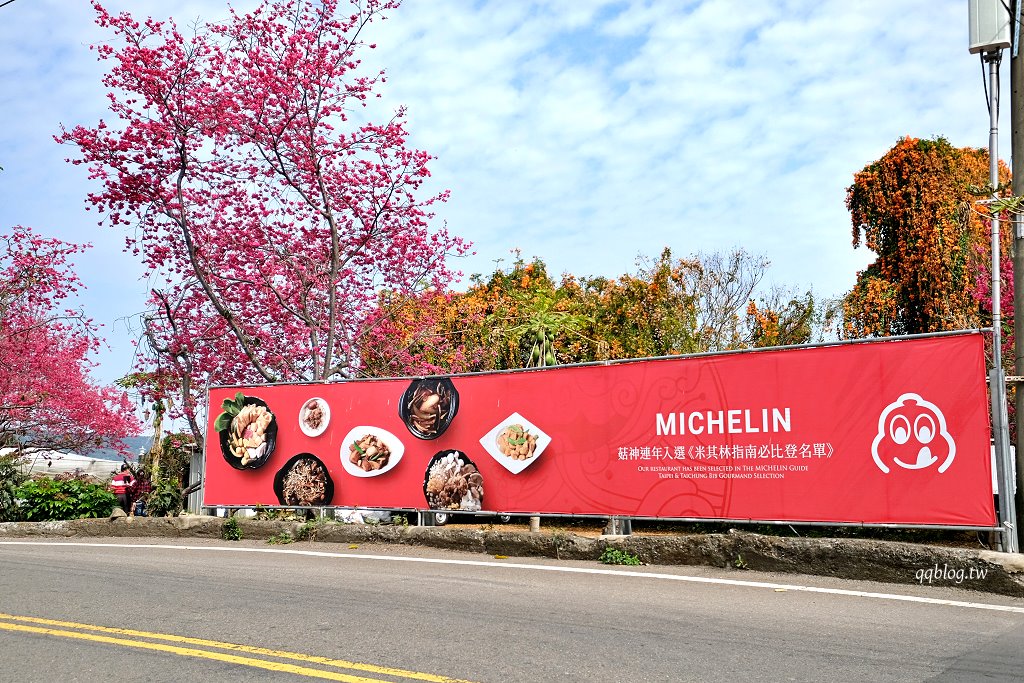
[[740, 563], [616, 556], [309, 530], [230, 531], [176, 455], [231, 408], [48, 499], [282, 538], [263, 513], [11, 477], [284, 514], [521, 318], [165, 499]]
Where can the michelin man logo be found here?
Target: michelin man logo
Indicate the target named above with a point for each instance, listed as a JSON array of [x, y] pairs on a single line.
[[912, 434]]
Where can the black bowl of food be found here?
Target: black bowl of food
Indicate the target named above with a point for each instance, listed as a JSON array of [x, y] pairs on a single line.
[[248, 432], [428, 406], [452, 482], [304, 482]]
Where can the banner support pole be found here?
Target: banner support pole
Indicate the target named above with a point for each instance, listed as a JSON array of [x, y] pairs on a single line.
[[1004, 473], [997, 384]]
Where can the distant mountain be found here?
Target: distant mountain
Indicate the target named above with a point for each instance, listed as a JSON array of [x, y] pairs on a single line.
[[134, 443]]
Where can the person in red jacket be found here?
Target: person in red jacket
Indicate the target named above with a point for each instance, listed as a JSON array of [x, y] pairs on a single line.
[[120, 483]]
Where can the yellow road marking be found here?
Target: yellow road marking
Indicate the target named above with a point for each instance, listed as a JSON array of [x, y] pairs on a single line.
[[248, 649], [190, 652]]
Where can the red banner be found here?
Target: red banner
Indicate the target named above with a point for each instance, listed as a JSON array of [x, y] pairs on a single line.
[[888, 432]]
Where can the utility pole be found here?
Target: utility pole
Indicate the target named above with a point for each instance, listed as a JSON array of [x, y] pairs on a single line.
[[1017, 168], [990, 24], [997, 377]]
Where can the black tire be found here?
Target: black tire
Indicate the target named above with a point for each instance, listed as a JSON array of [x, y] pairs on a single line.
[[504, 519], [440, 518]]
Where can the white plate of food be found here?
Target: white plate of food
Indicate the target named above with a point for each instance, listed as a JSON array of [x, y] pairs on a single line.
[[515, 443], [314, 416], [370, 451]]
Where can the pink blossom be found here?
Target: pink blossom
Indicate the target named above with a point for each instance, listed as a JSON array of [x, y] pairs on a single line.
[[269, 220]]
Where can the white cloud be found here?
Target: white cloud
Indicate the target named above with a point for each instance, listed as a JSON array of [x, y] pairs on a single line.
[[582, 132]]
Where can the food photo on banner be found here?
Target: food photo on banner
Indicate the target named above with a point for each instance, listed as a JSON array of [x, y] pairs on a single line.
[[886, 432]]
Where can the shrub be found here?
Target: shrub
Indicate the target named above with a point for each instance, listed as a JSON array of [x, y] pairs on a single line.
[[176, 456], [230, 531], [309, 530], [616, 556], [281, 538], [45, 499], [11, 477], [165, 499]]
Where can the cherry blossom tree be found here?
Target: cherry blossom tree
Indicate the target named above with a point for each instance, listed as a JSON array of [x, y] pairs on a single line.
[[47, 399], [260, 193]]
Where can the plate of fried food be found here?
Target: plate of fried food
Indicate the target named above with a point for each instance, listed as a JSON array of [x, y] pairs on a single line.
[[515, 443], [370, 451], [314, 416]]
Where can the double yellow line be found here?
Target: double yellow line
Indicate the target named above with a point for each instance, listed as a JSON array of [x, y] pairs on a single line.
[[219, 651]]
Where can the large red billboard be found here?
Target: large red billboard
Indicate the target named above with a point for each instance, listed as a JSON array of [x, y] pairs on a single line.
[[888, 432]]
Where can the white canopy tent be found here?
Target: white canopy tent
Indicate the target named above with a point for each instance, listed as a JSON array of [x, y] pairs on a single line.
[[53, 462]]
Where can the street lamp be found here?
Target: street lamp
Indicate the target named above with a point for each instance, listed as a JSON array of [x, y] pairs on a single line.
[[989, 36]]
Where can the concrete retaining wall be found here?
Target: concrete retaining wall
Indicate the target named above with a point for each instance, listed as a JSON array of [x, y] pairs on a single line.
[[884, 561]]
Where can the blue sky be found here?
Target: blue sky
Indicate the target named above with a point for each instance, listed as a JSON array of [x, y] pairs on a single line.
[[585, 132]]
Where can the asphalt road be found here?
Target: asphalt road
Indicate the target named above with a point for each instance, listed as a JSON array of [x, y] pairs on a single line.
[[219, 611]]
